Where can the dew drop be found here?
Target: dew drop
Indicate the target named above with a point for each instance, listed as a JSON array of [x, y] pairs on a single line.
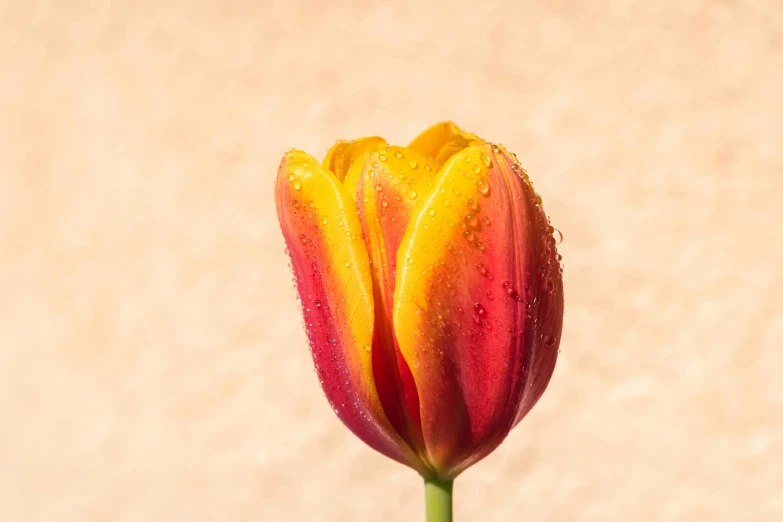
[[479, 309], [427, 168], [472, 205], [477, 320], [469, 236], [548, 286], [382, 157], [490, 296], [291, 177], [485, 220], [379, 188], [476, 169], [412, 164], [471, 220], [483, 187], [510, 290], [431, 212], [398, 155], [538, 200], [317, 304], [305, 164], [326, 220], [558, 237], [486, 161], [482, 269], [296, 203], [549, 340], [297, 185], [367, 348], [347, 264], [412, 194], [384, 203]]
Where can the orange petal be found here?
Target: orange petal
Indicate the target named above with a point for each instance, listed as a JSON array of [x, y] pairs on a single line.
[[442, 141], [344, 153], [390, 185], [478, 305], [331, 267]]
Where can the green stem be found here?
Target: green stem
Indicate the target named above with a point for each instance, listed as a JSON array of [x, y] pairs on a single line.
[[437, 498]]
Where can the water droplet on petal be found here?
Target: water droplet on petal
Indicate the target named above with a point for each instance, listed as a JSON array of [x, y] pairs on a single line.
[[412, 164], [472, 205], [296, 203], [398, 155], [558, 237], [486, 161], [471, 220], [347, 264], [379, 188], [382, 157], [483, 187], [482, 269], [412, 194], [479, 309], [291, 177], [297, 185]]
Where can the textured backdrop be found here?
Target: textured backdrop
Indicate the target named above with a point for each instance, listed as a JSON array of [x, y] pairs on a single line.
[[153, 365]]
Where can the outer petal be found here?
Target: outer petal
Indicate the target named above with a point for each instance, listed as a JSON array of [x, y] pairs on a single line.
[[390, 185], [331, 268], [344, 153], [478, 306], [442, 140]]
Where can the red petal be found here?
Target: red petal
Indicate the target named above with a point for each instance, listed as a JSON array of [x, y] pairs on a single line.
[[478, 308]]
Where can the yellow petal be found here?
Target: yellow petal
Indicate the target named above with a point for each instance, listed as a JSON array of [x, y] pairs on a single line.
[[344, 153], [442, 141], [331, 266]]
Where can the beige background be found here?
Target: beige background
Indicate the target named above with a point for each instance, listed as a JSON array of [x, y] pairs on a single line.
[[153, 365]]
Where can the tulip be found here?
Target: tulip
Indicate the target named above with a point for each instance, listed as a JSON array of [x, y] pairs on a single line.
[[431, 291]]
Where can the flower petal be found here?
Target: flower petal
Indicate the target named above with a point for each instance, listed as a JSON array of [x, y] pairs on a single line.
[[344, 153], [478, 305], [442, 140], [331, 268], [390, 184]]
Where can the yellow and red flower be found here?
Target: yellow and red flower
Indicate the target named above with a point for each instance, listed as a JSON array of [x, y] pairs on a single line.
[[431, 290]]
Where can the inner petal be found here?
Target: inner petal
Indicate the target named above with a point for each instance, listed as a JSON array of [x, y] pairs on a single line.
[[343, 154], [393, 183], [442, 141]]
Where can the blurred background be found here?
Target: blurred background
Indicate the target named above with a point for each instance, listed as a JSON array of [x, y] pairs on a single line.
[[153, 364]]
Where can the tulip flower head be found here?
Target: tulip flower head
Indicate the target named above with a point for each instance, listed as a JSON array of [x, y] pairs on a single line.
[[431, 291]]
